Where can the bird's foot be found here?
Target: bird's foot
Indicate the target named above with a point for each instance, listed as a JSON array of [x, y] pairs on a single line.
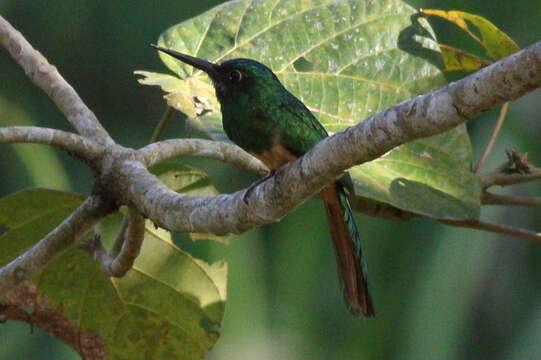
[[252, 187]]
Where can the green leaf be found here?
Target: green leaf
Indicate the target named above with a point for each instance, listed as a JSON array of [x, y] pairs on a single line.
[[496, 43], [189, 181], [26, 216], [164, 308], [346, 60], [412, 178]]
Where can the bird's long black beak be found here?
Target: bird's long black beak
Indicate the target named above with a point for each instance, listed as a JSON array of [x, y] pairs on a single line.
[[201, 64]]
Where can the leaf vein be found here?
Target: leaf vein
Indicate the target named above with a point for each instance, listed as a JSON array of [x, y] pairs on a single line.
[[204, 35], [248, 4], [334, 35], [391, 87], [267, 28]]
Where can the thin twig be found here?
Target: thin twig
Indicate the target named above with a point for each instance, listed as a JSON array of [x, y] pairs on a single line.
[[133, 239], [493, 137], [119, 240], [163, 150], [167, 115], [46, 77], [78, 145], [495, 228], [503, 179], [120, 259], [488, 198]]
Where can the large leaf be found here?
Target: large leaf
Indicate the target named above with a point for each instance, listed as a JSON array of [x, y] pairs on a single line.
[[163, 308], [346, 60]]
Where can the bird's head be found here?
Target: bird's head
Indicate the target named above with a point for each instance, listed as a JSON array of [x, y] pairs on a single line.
[[232, 77]]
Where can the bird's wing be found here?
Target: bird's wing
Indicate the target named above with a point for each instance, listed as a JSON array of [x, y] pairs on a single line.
[[302, 130], [299, 129]]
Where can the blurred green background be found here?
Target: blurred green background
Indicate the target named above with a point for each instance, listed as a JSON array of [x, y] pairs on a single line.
[[440, 292]]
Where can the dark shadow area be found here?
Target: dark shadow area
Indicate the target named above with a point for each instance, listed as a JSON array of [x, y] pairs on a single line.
[[303, 65], [408, 41]]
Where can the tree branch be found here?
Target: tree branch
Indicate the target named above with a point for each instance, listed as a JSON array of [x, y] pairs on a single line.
[[503, 179], [124, 178], [72, 228], [46, 77], [422, 116], [120, 259], [232, 154], [496, 228], [78, 145]]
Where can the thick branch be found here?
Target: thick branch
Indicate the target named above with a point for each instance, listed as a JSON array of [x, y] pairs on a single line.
[[156, 152], [46, 77], [75, 144], [173, 211], [35, 258], [127, 180], [419, 117]]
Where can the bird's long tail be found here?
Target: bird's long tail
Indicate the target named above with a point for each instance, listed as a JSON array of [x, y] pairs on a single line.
[[347, 245]]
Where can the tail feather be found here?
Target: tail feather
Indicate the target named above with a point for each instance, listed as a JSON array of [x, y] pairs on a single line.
[[347, 245]]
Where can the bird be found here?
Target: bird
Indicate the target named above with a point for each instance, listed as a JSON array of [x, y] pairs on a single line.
[[262, 117]]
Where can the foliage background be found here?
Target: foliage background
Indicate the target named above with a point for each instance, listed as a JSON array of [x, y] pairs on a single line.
[[441, 292]]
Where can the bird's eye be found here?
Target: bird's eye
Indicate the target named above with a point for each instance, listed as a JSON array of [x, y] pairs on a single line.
[[235, 76]]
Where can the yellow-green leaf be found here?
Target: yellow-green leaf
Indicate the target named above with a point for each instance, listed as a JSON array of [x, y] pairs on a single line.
[[496, 43], [459, 60]]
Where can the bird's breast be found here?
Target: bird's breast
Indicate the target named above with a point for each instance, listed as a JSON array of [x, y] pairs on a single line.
[[275, 157]]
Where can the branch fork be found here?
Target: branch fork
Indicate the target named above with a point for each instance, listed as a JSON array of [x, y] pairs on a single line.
[[124, 179]]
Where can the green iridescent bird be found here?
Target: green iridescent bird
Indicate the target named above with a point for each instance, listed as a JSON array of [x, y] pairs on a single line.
[[266, 120]]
